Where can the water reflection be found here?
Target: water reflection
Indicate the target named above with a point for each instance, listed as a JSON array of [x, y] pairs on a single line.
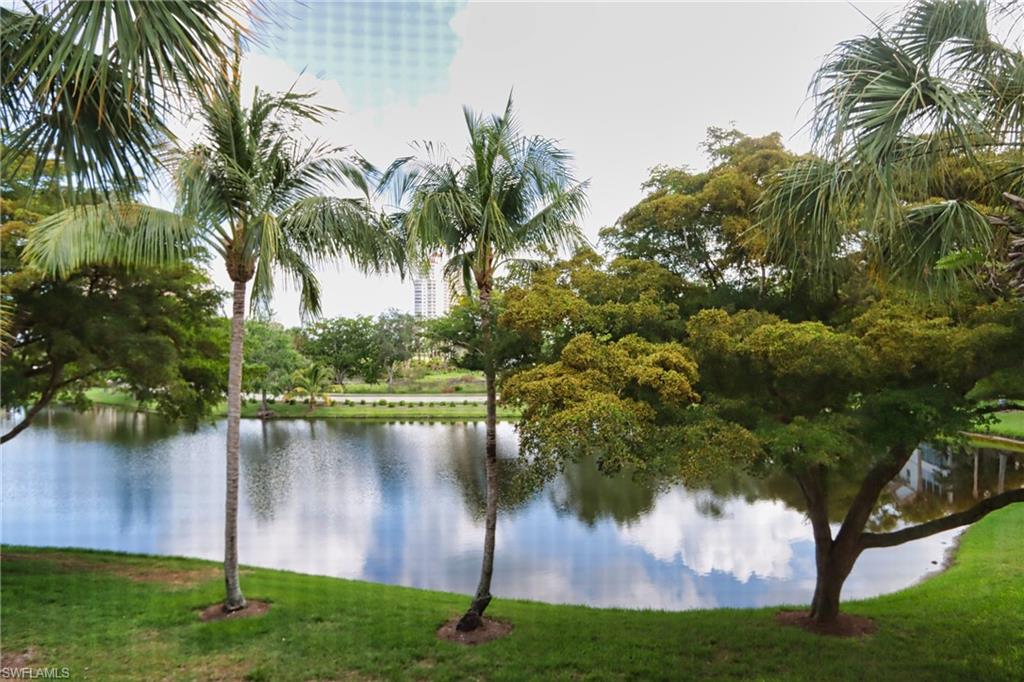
[[403, 503]]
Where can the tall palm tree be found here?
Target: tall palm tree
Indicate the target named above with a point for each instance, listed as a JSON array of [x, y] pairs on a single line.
[[89, 85], [509, 197], [251, 192], [898, 116]]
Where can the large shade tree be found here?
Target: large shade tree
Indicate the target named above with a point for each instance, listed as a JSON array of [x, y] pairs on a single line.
[[844, 397], [154, 331], [251, 191], [510, 197]]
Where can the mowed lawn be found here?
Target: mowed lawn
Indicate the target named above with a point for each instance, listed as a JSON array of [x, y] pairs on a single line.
[[108, 616], [1009, 423]]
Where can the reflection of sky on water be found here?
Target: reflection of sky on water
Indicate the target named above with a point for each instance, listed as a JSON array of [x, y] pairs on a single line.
[[401, 504]]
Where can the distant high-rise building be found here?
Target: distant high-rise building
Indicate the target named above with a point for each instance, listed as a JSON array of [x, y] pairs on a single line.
[[430, 293]]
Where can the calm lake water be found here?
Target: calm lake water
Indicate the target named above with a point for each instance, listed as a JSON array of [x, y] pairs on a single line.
[[403, 503]]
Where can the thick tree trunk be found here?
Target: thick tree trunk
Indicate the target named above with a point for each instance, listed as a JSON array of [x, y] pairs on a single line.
[[474, 616], [834, 565], [234, 600]]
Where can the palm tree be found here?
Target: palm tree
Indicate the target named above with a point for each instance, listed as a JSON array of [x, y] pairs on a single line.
[[511, 196], [89, 85], [314, 381], [898, 117], [251, 192]]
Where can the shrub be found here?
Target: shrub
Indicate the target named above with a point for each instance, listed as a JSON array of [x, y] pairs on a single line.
[[382, 401]]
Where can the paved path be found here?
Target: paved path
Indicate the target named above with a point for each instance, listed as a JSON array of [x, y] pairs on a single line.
[[411, 397]]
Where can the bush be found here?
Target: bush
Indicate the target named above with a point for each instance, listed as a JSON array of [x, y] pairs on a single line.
[[391, 404], [458, 388], [363, 401], [401, 403], [382, 401], [291, 401], [271, 401]]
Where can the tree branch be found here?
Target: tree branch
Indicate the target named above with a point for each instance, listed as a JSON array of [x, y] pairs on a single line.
[[923, 530]]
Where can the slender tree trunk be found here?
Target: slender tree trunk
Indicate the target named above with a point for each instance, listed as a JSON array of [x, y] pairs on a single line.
[[234, 600], [44, 399], [391, 378], [976, 455], [474, 616], [264, 409]]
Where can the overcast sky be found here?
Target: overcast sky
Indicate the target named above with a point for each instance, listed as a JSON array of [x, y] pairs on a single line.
[[623, 86]]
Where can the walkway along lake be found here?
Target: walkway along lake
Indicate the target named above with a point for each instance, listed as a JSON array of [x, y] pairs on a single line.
[[402, 504]]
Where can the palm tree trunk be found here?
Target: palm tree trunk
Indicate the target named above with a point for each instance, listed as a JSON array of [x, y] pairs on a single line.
[[473, 618], [234, 600]]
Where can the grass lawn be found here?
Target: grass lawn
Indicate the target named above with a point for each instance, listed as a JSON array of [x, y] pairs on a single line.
[[108, 616], [1010, 424], [391, 411], [445, 381]]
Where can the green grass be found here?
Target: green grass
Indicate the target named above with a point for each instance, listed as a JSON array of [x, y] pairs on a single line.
[[445, 381], [121, 617], [1009, 424], [339, 410]]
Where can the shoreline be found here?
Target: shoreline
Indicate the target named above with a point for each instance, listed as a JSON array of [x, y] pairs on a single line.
[[398, 407]]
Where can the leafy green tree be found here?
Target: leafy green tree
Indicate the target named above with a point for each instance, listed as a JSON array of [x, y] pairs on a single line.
[[271, 359], [699, 225], [313, 380], [347, 345], [898, 116], [396, 342], [90, 85], [253, 192], [155, 331], [818, 400], [509, 197]]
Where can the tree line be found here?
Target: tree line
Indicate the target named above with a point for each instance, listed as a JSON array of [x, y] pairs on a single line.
[[815, 315]]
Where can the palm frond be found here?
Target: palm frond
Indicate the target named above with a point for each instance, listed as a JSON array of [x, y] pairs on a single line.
[[128, 235]]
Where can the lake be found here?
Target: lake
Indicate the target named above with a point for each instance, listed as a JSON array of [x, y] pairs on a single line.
[[402, 503]]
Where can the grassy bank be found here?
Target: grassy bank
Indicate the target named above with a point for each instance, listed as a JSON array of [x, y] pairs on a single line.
[[455, 409], [1009, 424], [443, 381], [111, 616]]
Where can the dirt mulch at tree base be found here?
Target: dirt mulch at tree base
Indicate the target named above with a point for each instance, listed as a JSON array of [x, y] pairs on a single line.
[[489, 631], [252, 609], [14, 660], [847, 625]]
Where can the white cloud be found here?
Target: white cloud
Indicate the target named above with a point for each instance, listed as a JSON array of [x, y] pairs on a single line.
[[749, 539]]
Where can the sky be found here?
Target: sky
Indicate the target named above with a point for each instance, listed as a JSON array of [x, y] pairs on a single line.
[[624, 87]]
